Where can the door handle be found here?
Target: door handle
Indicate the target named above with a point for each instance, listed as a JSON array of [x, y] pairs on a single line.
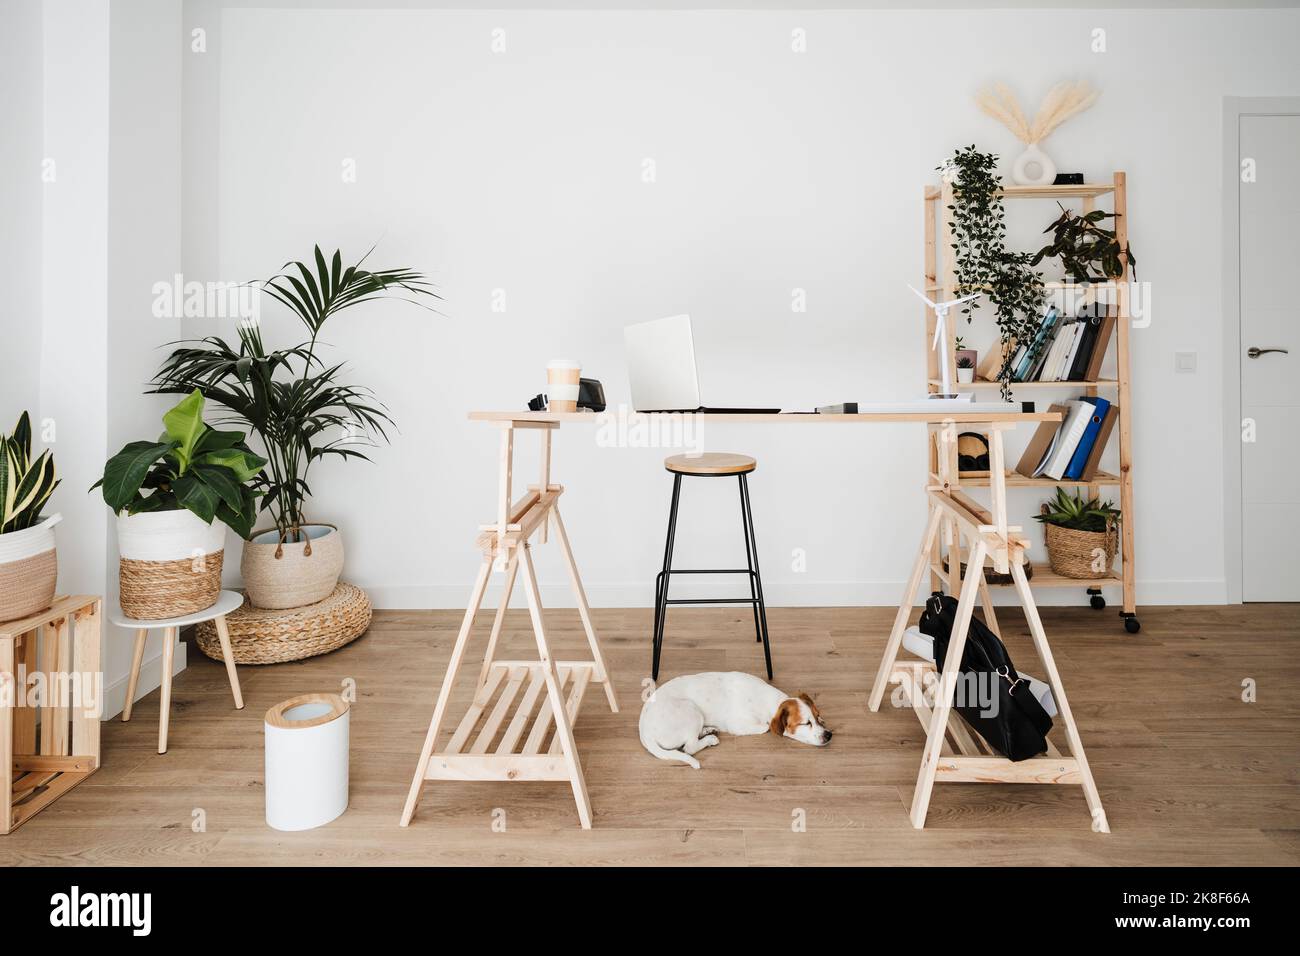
[[1255, 352]]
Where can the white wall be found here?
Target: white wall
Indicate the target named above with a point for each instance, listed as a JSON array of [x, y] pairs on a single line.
[[144, 231], [91, 194], [74, 276], [22, 79], [776, 170]]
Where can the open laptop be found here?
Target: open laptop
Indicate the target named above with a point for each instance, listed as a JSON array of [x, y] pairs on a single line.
[[661, 369]]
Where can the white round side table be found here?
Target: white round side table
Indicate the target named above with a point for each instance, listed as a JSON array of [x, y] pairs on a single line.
[[171, 628]]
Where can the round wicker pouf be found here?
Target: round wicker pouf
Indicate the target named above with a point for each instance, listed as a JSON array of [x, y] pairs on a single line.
[[266, 636]]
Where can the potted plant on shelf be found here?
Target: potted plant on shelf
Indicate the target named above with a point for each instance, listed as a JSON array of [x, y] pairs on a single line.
[[301, 411], [173, 499], [965, 369], [29, 567], [984, 264], [1088, 251], [960, 351], [1081, 535]]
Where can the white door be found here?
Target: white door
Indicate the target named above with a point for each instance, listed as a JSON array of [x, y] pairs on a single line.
[[1270, 380]]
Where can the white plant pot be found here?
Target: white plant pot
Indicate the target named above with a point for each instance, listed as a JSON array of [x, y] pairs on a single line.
[[965, 375], [1033, 167], [29, 569], [167, 536], [170, 563], [280, 575]]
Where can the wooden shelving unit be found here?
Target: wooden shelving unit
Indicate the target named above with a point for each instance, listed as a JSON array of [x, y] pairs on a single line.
[[941, 278]]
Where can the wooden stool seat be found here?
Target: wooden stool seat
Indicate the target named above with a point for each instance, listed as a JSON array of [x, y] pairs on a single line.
[[711, 463]]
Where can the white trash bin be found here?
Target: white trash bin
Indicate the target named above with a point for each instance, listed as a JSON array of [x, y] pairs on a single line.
[[306, 761]]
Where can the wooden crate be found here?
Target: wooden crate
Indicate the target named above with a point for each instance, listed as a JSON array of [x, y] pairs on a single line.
[[49, 668]]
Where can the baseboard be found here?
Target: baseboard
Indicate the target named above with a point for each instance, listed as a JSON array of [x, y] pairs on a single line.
[[782, 594], [150, 681]]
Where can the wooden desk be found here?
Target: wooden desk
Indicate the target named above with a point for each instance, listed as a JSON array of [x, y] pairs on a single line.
[[505, 544], [867, 418]]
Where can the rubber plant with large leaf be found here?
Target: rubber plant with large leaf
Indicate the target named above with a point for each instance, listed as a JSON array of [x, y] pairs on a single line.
[[302, 411], [174, 497], [28, 562]]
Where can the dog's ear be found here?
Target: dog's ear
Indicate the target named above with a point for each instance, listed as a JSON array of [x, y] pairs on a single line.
[[782, 717], [809, 701]]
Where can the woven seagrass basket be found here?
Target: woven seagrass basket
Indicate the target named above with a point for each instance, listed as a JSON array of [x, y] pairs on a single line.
[[29, 569], [275, 636], [155, 590], [27, 585], [1087, 555]]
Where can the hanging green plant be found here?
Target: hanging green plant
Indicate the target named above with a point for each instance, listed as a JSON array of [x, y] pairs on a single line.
[[1088, 251], [984, 264]]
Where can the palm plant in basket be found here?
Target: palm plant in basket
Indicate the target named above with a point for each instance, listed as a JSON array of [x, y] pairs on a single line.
[[1081, 534], [301, 409]]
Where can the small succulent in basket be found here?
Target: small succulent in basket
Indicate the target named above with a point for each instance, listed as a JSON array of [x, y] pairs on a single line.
[[1077, 513]]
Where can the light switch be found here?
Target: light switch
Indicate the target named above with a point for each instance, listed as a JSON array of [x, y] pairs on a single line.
[[1184, 361]]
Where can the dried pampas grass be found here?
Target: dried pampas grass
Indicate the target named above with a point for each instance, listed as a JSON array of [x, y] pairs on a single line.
[[1062, 102]]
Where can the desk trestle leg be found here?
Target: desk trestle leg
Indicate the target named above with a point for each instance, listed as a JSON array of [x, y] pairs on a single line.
[[519, 724], [953, 752]]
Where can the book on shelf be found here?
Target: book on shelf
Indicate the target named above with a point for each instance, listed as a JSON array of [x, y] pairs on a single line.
[[1027, 355], [1105, 329], [1093, 460], [1072, 448], [1074, 470], [1065, 349]]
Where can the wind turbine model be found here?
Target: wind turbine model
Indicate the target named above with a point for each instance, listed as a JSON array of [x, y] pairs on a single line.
[[941, 335]]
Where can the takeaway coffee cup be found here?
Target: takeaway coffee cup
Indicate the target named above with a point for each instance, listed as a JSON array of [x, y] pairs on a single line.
[[562, 377]]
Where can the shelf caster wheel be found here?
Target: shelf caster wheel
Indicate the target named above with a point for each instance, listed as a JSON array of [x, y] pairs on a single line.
[[1096, 599], [1131, 623]]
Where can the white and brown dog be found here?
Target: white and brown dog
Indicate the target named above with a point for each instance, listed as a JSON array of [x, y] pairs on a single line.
[[686, 714]]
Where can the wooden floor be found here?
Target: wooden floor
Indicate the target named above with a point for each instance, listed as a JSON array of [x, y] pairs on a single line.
[[1189, 773]]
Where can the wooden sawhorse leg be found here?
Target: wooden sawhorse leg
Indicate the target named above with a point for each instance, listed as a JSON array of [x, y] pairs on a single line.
[[444, 695], [990, 539], [559, 712], [485, 756]]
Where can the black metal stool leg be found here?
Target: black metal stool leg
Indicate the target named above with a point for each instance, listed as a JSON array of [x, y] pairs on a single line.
[[749, 560], [661, 588], [758, 577]]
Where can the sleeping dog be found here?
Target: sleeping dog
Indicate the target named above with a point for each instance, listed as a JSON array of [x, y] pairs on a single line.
[[685, 715]]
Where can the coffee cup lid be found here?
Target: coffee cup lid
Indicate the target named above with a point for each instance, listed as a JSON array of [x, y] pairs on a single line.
[[563, 363]]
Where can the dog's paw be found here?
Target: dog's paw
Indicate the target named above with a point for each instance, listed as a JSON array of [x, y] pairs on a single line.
[[710, 740], [695, 764]]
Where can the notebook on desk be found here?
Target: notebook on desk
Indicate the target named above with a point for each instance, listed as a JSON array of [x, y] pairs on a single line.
[[662, 373]]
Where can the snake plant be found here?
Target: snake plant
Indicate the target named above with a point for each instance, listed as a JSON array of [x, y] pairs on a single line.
[[25, 485]]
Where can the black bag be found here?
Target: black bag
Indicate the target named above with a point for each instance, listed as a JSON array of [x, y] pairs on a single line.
[[1003, 710]]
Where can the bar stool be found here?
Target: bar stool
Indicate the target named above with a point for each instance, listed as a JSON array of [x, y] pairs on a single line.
[[711, 465]]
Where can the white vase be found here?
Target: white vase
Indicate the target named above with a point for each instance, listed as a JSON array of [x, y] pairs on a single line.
[[1033, 167]]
